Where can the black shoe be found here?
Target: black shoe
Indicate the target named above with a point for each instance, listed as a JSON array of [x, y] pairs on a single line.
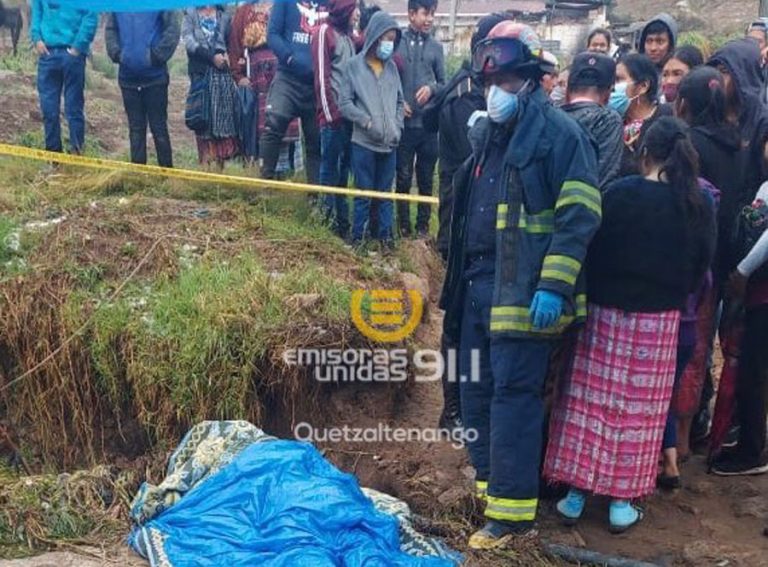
[[668, 482], [700, 427], [732, 438], [738, 466]]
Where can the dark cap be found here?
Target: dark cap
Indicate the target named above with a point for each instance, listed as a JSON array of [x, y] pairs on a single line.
[[592, 70]]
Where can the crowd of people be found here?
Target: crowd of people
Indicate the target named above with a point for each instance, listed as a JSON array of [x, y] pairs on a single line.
[[601, 224]]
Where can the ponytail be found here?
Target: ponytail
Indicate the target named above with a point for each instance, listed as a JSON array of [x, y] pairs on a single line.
[[667, 143]]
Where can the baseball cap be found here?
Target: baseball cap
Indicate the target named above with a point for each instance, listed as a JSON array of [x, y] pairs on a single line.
[[592, 70]]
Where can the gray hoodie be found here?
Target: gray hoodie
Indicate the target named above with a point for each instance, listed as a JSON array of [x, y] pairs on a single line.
[[375, 105], [671, 25]]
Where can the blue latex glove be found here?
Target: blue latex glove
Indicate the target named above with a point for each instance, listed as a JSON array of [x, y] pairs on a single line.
[[546, 309]]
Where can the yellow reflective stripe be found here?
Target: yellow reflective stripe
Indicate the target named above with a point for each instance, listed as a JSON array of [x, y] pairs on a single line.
[[481, 489], [561, 268], [581, 305], [511, 510], [501, 216], [518, 319], [540, 223], [579, 193]]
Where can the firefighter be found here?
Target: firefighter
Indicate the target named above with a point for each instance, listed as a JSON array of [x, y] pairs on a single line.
[[527, 206]]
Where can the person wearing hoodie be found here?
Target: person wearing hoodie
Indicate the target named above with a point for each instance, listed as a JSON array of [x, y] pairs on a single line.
[[142, 43], [526, 208], [62, 36], [423, 74], [371, 98], [659, 39], [333, 46], [589, 87], [292, 92], [740, 63]]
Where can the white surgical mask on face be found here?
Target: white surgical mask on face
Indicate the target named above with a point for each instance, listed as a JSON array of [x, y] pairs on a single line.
[[503, 106], [385, 50]]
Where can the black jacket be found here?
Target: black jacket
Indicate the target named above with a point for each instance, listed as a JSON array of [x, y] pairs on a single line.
[[548, 210], [448, 114], [742, 58], [642, 258], [605, 129], [722, 163]]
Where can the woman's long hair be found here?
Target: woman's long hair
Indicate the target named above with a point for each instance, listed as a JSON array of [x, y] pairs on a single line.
[[641, 69], [703, 92], [668, 145]]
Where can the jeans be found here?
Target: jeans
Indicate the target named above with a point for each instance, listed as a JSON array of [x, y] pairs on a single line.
[[504, 405], [334, 172], [288, 98], [420, 145], [752, 384], [375, 172], [148, 105], [56, 72]]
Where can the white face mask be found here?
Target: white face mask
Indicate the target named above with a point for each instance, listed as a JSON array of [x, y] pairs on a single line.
[[502, 105]]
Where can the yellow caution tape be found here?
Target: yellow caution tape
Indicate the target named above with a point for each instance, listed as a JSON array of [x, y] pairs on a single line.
[[191, 175]]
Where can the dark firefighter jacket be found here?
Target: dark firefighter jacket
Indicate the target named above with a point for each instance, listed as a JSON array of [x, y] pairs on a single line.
[[548, 210]]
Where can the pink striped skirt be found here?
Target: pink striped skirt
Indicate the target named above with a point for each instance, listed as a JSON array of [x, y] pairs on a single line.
[[609, 414]]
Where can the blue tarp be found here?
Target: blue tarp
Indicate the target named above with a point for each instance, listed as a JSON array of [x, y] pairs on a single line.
[[279, 504]]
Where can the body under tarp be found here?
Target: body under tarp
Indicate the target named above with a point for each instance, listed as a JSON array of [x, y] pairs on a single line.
[[236, 497]]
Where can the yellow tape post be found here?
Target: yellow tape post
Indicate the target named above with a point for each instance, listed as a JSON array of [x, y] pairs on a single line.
[[191, 175]]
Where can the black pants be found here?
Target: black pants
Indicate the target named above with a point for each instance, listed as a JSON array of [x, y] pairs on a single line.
[[148, 105], [445, 209], [752, 388], [419, 145], [288, 98]]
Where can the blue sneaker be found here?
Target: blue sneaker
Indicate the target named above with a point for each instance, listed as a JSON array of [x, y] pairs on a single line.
[[623, 516], [571, 507]]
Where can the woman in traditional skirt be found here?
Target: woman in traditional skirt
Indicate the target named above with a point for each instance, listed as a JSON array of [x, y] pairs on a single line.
[[203, 33], [656, 242]]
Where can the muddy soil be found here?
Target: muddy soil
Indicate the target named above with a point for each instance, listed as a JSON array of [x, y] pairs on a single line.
[[711, 521]]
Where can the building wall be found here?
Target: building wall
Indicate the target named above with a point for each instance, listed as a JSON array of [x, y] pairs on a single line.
[[569, 34]]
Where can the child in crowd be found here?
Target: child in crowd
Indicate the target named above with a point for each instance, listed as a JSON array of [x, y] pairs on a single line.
[[372, 99], [423, 74]]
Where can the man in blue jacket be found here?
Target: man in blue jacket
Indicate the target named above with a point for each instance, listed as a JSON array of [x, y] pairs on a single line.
[[292, 94], [62, 36], [142, 43], [526, 208]]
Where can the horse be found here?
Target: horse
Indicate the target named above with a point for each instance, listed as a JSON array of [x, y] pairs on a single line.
[[11, 18]]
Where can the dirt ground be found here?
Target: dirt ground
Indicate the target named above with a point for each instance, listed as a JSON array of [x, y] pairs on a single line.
[[711, 521]]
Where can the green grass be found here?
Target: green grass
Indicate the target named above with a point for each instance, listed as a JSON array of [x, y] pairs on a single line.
[[24, 62], [196, 342], [101, 63]]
